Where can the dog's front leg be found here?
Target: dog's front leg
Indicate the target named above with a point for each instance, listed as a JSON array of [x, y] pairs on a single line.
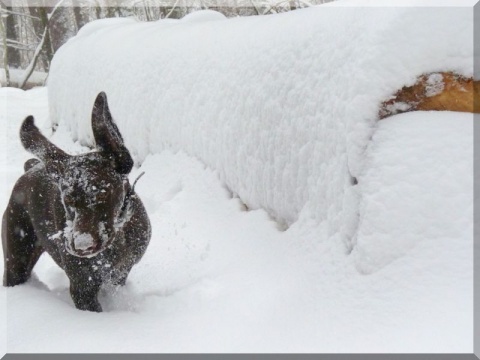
[[84, 294]]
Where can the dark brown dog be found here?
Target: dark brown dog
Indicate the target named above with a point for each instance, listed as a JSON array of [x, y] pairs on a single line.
[[79, 209]]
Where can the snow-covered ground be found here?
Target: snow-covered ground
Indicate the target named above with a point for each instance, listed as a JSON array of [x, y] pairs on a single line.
[[218, 278], [264, 128]]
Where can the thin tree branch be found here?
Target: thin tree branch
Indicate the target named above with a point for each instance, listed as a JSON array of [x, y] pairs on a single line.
[[29, 70], [14, 42], [20, 48], [10, 12], [173, 8]]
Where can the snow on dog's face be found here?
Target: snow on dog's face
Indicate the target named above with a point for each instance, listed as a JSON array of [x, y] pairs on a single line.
[[92, 186], [92, 194]]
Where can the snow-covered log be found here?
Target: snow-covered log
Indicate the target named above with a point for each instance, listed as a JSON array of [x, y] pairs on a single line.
[[281, 106]]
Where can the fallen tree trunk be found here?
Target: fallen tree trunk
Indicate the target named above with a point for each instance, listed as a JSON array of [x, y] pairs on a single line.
[[435, 91]]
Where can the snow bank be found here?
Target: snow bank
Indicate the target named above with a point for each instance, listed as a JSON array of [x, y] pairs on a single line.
[[417, 189], [216, 278], [282, 106]]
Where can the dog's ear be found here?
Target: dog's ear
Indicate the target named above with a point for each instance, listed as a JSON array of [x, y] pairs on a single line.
[[34, 142], [107, 136]]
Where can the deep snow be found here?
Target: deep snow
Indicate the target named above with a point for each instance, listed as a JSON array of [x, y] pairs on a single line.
[[397, 211], [217, 278], [279, 112]]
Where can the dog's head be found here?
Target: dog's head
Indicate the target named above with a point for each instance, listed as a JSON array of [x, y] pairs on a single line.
[[93, 186]]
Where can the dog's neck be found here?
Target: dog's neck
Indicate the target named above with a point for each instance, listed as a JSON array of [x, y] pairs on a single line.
[[126, 210]]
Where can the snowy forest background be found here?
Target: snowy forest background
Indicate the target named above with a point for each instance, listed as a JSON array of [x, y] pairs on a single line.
[[33, 30]]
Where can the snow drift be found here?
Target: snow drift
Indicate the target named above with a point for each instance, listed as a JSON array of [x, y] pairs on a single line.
[[216, 278], [281, 106]]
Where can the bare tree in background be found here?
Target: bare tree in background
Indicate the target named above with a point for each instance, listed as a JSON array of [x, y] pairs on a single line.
[[43, 30], [78, 11], [3, 17], [44, 44], [11, 33]]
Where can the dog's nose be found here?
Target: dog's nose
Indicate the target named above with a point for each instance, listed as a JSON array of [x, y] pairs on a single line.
[[83, 241]]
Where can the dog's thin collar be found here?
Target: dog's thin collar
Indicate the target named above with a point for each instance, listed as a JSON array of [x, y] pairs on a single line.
[[126, 202]]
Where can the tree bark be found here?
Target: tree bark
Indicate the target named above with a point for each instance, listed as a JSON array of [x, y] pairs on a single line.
[[60, 28], [14, 59], [5, 52]]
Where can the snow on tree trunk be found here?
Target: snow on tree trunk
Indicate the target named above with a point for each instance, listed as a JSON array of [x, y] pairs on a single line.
[[283, 107]]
